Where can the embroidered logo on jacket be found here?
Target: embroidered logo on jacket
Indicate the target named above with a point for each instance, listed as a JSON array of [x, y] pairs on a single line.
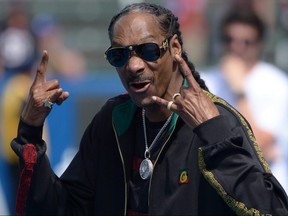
[[183, 177]]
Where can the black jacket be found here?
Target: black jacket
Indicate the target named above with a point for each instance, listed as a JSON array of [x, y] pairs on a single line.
[[225, 172]]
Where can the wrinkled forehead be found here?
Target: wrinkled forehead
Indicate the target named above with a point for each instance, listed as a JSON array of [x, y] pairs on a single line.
[[134, 27]]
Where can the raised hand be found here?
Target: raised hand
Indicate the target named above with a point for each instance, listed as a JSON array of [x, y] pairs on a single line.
[[192, 103], [43, 94]]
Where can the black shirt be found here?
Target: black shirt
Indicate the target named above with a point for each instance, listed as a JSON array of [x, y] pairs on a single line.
[[138, 188]]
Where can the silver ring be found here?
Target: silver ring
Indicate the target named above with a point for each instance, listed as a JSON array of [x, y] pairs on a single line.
[[175, 95], [47, 103], [169, 105]]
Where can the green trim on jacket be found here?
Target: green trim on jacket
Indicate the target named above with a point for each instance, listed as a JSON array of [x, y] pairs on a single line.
[[123, 114]]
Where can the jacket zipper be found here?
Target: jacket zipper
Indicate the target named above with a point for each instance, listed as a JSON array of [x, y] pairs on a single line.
[[157, 160], [123, 166]]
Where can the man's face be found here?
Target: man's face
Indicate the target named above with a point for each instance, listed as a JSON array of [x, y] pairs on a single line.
[[242, 40], [142, 79]]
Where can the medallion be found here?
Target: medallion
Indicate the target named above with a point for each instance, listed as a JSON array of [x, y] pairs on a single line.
[[146, 169], [146, 166]]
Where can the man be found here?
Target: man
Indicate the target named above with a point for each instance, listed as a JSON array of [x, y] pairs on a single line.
[[168, 147], [258, 89]]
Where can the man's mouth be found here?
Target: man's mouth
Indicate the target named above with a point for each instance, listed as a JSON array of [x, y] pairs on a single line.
[[139, 86]]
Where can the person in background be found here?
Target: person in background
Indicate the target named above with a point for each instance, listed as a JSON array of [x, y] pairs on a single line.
[[17, 43], [66, 62], [258, 89], [166, 147]]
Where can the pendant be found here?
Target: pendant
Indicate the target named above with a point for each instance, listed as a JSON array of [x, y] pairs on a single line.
[[146, 168]]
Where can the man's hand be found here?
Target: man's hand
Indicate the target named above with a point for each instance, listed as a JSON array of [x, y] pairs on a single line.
[[42, 92], [192, 105], [234, 70]]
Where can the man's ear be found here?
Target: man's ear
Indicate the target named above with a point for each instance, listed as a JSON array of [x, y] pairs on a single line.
[[175, 46]]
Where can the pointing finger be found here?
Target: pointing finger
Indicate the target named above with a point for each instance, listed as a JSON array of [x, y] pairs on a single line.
[[186, 72], [41, 70]]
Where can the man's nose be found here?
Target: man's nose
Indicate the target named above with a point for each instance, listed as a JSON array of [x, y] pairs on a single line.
[[135, 63]]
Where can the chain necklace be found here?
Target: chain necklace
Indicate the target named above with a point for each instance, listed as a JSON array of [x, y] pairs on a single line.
[[146, 166]]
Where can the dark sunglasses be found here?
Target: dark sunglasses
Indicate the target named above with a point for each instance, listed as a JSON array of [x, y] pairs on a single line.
[[228, 40], [119, 56]]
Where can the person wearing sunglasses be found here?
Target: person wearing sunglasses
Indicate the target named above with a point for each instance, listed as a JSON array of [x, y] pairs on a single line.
[[255, 87], [119, 56], [167, 147]]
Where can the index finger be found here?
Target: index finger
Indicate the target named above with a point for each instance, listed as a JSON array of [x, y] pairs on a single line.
[[41, 70], [186, 72]]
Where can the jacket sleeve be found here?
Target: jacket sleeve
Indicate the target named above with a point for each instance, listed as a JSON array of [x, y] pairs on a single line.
[[49, 194], [232, 163]]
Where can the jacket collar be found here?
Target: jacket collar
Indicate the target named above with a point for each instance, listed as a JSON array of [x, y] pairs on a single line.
[[124, 113]]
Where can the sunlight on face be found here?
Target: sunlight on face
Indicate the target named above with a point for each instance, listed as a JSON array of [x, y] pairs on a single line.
[[142, 79]]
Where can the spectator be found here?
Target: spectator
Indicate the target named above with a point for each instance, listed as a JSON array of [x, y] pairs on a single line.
[[66, 62], [258, 89]]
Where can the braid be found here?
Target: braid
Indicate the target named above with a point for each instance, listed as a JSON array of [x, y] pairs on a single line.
[[168, 24], [175, 26], [195, 74]]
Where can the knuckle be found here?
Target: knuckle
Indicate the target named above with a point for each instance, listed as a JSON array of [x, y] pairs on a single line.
[[34, 91], [55, 82]]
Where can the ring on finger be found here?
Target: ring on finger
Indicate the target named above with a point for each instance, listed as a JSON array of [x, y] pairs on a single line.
[[169, 105], [47, 103], [175, 95]]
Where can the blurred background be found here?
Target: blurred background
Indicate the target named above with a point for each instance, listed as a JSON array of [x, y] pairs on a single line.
[[75, 35]]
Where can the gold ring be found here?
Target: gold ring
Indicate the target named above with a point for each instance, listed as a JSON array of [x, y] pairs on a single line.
[[47, 103], [169, 105], [175, 95]]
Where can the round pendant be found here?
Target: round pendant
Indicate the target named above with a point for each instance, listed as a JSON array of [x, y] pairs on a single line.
[[146, 169]]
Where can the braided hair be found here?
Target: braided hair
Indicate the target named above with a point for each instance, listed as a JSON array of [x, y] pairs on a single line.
[[168, 24]]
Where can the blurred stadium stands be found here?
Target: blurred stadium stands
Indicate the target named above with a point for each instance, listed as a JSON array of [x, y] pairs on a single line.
[[84, 24]]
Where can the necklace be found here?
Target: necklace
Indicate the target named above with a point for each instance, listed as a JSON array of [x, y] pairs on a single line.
[[146, 166]]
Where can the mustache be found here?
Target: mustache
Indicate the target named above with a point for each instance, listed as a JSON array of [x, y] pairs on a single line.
[[140, 78]]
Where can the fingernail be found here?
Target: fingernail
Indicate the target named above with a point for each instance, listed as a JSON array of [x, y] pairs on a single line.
[[154, 98]]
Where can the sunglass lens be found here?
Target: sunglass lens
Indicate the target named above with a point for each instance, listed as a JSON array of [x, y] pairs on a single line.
[[148, 51], [117, 57]]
